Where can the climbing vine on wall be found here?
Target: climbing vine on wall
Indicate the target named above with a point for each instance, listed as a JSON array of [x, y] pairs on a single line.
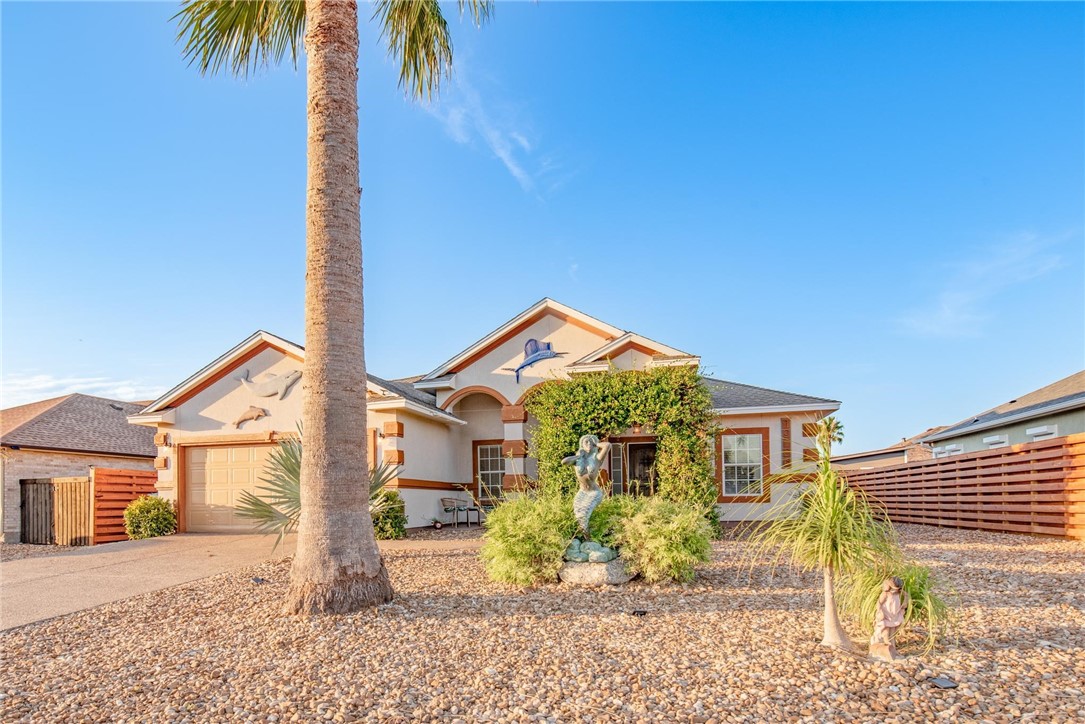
[[671, 403]]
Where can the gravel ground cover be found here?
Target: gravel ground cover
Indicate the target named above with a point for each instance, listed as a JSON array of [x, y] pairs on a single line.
[[735, 645], [18, 551], [445, 533]]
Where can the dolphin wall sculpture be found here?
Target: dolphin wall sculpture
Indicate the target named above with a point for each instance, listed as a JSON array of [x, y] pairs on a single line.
[[277, 385], [253, 413]]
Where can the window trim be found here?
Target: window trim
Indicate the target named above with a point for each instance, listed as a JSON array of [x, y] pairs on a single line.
[[477, 483], [766, 465]]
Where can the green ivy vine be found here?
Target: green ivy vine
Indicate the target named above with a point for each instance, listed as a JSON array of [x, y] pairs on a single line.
[[671, 403]]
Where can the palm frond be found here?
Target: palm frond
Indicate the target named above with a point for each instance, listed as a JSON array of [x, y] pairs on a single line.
[[417, 35], [240, 35], [277, 507]]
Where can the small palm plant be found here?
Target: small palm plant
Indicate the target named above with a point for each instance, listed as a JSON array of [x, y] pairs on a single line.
[[278, 508], [831, 527]]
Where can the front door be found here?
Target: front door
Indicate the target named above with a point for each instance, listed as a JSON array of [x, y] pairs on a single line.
[[642, 470]]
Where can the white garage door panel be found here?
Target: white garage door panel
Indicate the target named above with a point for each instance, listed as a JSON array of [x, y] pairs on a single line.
[[215, 478]]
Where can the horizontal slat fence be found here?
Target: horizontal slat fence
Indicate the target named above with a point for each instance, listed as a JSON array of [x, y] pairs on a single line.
[[113, 490], [56, 511], [1036, 487], [81, 511]]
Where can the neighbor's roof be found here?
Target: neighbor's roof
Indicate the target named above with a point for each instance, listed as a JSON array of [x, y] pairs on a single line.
[[1066, 394], [80, 423], [735, 395], [905, 443]]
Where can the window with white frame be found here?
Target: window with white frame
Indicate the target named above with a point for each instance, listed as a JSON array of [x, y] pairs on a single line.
[[993, 441], [491, 471], [617, 470], [743, 464], [1043, 432], [947, 450]]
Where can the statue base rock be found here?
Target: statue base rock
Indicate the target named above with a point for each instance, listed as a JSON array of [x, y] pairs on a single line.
[[884, 652], [611, 573]]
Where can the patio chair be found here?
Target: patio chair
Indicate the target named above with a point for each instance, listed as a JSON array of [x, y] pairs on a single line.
[[455, 506]]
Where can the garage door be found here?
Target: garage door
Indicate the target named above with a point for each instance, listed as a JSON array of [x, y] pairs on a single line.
[[214, 479]]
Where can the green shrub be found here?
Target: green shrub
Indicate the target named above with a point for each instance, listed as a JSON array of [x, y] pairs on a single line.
[[149, 517], [927, 614], [390, 518], [607, 518], [663, 539], [526, 538]]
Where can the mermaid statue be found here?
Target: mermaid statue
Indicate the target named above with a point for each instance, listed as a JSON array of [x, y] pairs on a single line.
[[588, 463]]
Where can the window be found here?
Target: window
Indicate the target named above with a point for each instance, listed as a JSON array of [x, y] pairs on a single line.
[[743, 464], [1044, 432], [993, 441], [946, 451], [617, 478], [490, 470]]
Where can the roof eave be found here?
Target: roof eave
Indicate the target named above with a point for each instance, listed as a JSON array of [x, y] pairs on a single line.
[[826, 406], [950, 433]]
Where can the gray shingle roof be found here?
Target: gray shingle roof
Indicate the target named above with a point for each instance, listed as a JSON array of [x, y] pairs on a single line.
[[1058, 394], [77, 422], [406, 391], [733, 395], [985, 419]]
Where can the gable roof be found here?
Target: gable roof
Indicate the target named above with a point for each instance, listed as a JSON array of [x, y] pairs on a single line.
[[628, 341], [516, 325], [78, 423], [388, 390], [735, 396], [1065, 394]]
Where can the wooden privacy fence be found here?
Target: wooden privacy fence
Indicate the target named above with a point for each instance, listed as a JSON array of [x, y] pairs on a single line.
[[81, 511], [1036, 487]]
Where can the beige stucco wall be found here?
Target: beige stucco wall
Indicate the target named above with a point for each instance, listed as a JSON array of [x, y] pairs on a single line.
[[489, 370], [16, 465]]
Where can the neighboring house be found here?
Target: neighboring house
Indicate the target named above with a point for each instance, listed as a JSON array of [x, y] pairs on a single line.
[[908, 450], [463, 424], [1056, 410], [65, 437]]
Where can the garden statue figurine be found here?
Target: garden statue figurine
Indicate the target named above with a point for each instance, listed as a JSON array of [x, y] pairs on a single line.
[[888, 617], [588, 463]]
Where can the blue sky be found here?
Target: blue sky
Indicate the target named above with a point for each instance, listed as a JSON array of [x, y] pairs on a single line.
[[878, 203]]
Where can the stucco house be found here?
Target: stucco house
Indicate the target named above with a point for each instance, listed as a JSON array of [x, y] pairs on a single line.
[[65, 437], [461, 424], [1055, 410]]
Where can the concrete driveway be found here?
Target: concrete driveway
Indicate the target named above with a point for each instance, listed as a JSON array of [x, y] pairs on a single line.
[[34, 589]]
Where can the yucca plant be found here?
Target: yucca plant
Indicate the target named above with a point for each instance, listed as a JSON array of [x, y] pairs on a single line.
[[830, 526], [927, 612], [278, 507]]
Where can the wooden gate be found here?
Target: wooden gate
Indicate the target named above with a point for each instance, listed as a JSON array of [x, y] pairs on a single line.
[[56, 511], [81, 511]]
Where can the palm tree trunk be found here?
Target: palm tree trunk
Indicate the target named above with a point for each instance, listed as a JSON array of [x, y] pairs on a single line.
[[338, 567], [834, 634]]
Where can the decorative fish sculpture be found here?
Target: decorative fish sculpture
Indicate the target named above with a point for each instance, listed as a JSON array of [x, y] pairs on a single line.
[[277, 385], [534, 351], [253, 413]]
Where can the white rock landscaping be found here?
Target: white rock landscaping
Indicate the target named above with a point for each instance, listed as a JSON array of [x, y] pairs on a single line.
[[734, 645]]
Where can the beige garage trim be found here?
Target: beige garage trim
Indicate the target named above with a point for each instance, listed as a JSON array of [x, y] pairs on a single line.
[[215, 476]]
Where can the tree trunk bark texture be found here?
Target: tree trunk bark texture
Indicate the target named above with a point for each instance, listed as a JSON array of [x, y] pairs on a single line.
[[338, 567], [834, 633]]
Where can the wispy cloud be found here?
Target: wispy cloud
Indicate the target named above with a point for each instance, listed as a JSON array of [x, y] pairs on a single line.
[[500, 127], [962, 307], [574, 271], [20, 389]]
